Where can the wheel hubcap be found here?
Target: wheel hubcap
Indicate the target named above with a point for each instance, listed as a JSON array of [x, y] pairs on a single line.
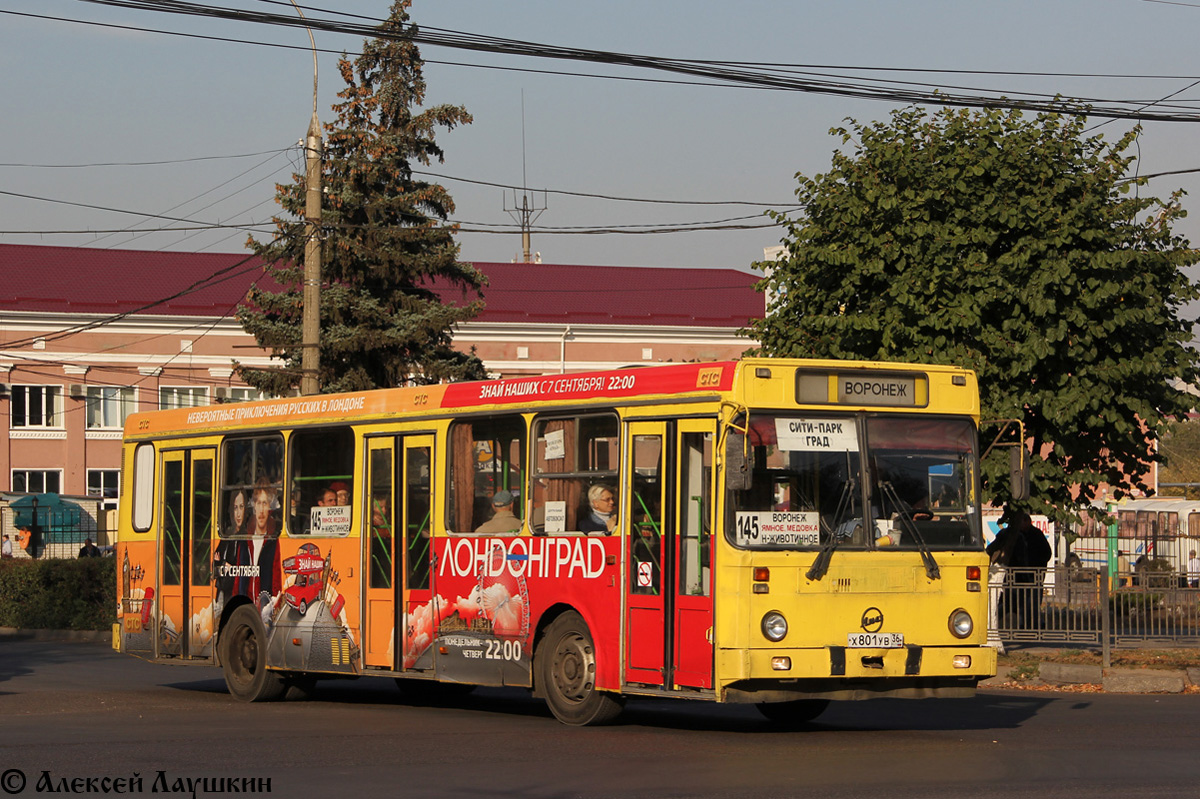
[[247, 653], [574, 667]]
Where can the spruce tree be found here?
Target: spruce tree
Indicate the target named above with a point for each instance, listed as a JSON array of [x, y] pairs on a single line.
[[384, 239]]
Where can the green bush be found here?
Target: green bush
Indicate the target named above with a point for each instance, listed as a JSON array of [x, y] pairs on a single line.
[[58, 594], [1129, 603]]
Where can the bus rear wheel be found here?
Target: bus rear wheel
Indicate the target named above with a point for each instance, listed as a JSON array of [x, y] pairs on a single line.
[[566, 674], [243, 646], [797, 711]]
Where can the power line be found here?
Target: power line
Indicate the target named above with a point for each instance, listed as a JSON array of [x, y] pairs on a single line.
[[123, 211], [145, 163], [621, 230], [594, 196], [222, 199], [739, 75]]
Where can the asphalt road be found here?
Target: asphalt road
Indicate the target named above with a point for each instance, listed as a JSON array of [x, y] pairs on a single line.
[[80, 711]]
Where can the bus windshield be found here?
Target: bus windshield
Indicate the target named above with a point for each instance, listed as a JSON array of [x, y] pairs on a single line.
[[812, 480]]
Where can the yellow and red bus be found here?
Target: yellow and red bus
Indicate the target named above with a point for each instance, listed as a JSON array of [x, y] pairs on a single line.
[[768, 531]]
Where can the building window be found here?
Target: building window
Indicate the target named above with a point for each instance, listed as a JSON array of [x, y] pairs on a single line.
[[37, 481], [107, 406], [244, 394], [106, 485], [182, 397], [36, 406]]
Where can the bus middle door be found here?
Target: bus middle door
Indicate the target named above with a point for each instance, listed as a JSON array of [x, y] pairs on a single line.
[[185, 589], [399, 625], [645, 508]]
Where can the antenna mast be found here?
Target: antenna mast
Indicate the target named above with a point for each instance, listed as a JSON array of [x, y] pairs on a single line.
[[526, 212]]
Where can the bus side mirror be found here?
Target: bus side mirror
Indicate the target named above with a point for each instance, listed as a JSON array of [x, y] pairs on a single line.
[[739, 462], [1018, 473]]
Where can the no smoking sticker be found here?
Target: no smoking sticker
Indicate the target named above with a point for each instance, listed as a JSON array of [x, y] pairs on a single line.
[[645, 575]]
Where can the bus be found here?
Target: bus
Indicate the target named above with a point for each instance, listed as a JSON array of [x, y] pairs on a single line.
[[1144, 541], [768, 531]]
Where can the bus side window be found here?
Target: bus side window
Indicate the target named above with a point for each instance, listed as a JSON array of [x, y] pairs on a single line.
[[487, 457], [575, 465], [320, 479], [143, 487], [251, 465]]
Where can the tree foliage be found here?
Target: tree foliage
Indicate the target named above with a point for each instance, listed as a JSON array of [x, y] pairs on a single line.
[[1018, 248], [1180, 450], [384, 238]]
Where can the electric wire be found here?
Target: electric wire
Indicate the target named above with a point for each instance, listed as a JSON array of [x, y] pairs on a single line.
[[740, 75]]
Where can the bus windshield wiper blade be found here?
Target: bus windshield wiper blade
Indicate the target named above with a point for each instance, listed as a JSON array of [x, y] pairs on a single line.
[[910, 527], [821, 563]]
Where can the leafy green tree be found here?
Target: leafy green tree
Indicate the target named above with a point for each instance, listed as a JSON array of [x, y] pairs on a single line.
[[384, 238], [1180, 449], [1011, 246]]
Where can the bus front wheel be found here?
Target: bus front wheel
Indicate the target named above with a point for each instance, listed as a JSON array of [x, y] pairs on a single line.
[[244, 658], [795, 712], [566, 671]]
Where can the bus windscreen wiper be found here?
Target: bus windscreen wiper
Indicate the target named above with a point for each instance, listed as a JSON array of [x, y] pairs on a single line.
[[832, 537], [910, 527]]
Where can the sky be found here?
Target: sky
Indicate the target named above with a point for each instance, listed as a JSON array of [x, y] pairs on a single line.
[[226, 116]]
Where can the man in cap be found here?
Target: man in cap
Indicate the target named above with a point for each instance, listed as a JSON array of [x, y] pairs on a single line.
[[503, 520]]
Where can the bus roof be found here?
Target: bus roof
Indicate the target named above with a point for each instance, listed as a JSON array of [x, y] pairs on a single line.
[[621, 384], [629, 384]]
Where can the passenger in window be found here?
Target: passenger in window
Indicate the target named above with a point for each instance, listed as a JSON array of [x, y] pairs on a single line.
[[296, 521], [603, 518], [381, 512], [342, 492], [328, 498], [503, 519], [947, 498]]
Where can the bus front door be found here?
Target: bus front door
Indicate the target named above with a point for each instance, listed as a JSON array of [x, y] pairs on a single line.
[[667, 509], [185, 588], [397, 554]]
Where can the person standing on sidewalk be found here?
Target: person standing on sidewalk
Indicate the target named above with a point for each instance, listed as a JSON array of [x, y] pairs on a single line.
[[6, 550], [1193, 570]]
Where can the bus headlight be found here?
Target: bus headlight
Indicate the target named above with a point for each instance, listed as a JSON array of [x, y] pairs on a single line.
[[961, 623], [774, 626]]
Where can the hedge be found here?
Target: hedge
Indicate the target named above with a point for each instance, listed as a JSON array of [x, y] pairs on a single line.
[[58, 594]]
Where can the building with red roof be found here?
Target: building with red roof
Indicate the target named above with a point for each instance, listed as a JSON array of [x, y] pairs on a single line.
[[87, 336]]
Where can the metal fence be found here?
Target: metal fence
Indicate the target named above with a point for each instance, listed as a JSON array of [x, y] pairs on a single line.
[[57, 534], [1084, 606]]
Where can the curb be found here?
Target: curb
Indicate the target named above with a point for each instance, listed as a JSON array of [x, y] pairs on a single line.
[[1112, 681]]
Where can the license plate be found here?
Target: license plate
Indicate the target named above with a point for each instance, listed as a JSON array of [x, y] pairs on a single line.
[[874, 640]]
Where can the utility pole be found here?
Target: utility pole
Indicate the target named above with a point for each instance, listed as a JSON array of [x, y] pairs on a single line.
[[310, 357], [310, 322]]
